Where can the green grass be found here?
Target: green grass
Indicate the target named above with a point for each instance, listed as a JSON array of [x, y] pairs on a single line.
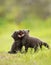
[[38, 29]]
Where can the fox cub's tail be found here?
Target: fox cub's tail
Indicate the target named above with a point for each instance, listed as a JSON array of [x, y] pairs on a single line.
[[46, 45]]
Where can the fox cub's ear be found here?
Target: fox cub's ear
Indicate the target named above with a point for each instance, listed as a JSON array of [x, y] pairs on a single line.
[[28, 30], [13, 34]]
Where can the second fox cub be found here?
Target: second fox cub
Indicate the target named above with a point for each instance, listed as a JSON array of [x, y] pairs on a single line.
[[31, 42]]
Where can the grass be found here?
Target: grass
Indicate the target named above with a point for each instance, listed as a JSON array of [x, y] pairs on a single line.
[[38, 29], [40, 58]]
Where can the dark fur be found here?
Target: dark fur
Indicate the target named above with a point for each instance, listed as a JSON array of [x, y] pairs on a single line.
[[32, 42], [17, 45], [25, 40]]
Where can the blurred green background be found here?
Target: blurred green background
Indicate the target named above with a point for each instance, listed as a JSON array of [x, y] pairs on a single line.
[[34, 15]]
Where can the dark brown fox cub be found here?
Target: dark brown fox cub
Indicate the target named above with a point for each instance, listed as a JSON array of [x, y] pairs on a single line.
[[31, 42], [17, 45]]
